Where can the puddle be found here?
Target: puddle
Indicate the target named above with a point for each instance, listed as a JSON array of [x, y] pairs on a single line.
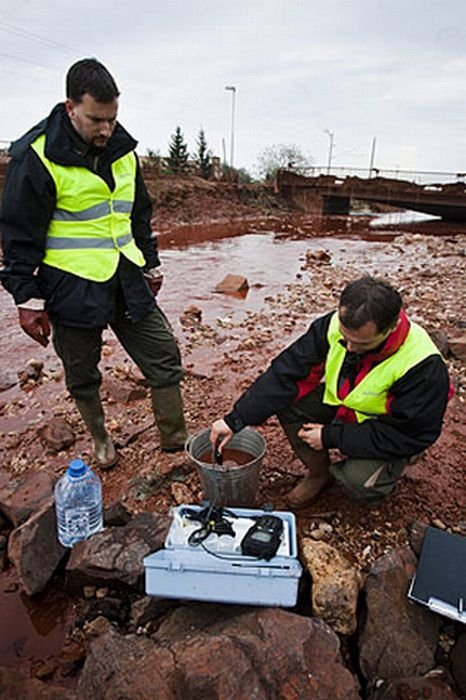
[[269, 262], [32, 628]]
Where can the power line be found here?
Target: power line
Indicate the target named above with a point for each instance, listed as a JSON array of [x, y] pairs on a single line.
[[25, 60], [32, 36]]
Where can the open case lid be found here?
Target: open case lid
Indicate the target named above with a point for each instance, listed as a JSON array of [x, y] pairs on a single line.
[[440, 578]]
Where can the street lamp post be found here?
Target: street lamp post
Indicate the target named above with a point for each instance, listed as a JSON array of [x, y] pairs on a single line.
[[330, 149], [371, 164], [232, 89]]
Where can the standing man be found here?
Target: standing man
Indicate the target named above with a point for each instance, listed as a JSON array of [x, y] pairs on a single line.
[[79, 253], [365, 381]]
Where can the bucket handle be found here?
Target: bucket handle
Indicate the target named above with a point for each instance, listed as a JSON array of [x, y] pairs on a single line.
[[187, 444]]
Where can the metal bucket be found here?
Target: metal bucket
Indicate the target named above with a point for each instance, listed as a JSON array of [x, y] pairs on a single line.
[[229, 485]]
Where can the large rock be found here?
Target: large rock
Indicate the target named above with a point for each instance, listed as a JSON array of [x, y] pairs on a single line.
[[35, 550], [398, 638], [57, 435], [22, 497], [221, 652], [335, 585], [15, 685], [114, 556], [136, 667]]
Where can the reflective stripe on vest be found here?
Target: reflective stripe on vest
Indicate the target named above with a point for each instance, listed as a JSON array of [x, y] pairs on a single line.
[[91, 224], [369, 398], [95, 212]]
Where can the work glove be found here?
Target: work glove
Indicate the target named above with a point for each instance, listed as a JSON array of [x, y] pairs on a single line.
[[154, 279], [36, 324]]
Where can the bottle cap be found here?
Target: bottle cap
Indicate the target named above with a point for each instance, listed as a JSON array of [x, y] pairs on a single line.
[[77, 468]]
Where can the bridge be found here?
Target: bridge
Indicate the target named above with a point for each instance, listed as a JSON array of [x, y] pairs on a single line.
[[331, 193]]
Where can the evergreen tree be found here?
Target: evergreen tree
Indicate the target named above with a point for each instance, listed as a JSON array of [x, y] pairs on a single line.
[[178, 152], [204, 155]]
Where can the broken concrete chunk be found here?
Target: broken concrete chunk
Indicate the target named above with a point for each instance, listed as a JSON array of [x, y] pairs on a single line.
[[232, 283]]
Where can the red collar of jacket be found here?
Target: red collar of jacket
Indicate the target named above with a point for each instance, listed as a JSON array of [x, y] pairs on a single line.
[[393, 342]]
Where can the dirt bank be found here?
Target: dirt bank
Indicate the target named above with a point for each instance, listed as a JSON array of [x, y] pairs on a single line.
[[192, 200]]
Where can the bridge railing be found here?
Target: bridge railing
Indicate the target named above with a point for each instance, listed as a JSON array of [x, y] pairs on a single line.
[[419, 177]]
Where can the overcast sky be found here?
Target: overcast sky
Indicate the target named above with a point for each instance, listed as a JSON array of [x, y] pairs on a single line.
[[389, 70]]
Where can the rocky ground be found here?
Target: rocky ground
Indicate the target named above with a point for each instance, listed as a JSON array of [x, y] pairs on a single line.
[[428, 268], [431, 490]]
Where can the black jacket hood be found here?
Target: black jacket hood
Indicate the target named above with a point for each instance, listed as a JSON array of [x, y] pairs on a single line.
[[63, 144]]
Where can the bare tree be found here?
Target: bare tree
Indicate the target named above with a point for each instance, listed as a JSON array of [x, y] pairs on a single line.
[[282, 156]]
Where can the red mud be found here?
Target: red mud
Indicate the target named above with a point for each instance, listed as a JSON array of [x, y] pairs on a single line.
[[289, 285]]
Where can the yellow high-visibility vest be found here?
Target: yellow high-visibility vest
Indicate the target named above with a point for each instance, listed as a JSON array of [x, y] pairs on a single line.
[[91, 224], [369, 398]]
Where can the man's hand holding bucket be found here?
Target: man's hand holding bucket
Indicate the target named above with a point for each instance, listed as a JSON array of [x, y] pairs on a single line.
[[220, 434]]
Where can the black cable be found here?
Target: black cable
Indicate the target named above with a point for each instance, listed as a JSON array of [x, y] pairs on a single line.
[[218, 525], [198, 536], [238, 561]]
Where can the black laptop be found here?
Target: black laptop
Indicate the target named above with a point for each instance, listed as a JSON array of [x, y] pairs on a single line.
[[440, 578]]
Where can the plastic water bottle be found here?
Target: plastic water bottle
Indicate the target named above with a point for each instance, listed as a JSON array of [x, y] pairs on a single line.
[[78, 504]]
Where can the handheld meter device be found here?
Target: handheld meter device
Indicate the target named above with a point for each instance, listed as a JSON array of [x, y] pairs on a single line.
[[262, 540]]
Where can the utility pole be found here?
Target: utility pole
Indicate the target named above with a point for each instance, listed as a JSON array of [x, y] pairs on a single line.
[[232, 89], [330, 135], [224, 152], [371, 164]]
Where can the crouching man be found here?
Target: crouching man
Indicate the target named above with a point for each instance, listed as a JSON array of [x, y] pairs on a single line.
[[364, 380]]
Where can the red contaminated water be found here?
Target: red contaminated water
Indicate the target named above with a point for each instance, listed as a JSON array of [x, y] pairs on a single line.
[[31, 628], [231, 458]]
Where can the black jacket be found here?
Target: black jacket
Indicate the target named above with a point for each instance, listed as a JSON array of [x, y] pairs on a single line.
[[27, 207], [417, 407]]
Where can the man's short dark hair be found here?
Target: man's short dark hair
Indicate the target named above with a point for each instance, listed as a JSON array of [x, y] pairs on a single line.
[[369, 299], [90, 76]]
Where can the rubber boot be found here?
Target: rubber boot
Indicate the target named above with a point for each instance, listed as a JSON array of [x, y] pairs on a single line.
[[167, 405], [317, 463], [313, 484], [92, 414]]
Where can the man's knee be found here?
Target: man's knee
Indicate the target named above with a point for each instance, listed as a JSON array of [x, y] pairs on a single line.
[[368, 481]]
